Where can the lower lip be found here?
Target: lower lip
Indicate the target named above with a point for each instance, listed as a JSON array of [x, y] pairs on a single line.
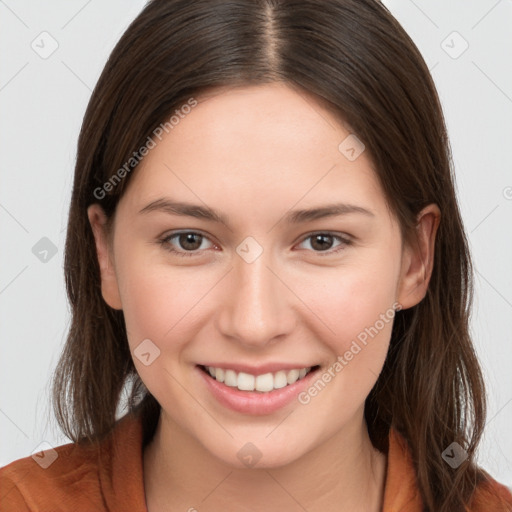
[[254, 402]]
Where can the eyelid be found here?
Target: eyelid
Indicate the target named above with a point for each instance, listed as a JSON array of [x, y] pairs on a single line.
[[345, 240], [336, 234], [164, 240]]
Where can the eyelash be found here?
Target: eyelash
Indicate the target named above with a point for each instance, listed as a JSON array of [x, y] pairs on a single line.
[[165, 242]]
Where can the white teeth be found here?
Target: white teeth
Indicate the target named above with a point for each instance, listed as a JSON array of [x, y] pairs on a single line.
[[292, 376], [230, 378], [245, 381], [219, 374], [265, 382], [280, 379], [262, 383]]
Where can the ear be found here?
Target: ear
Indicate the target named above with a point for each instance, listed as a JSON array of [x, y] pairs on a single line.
[[418, 258], [109, 287]]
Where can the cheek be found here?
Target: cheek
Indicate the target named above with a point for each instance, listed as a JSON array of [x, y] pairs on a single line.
[[358, 305], [162, 305], [161, 302], [352, 299]]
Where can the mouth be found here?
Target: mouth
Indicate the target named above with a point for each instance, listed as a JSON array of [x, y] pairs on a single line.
[[263, 383], [262, 392]]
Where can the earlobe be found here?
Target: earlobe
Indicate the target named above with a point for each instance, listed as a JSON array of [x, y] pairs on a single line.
[[418, 258], [109, 286]]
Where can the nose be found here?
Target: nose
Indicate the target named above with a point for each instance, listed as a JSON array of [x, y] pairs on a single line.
[[257, 309]]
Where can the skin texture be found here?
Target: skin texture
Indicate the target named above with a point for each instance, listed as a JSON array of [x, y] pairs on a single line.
[[253, 154]]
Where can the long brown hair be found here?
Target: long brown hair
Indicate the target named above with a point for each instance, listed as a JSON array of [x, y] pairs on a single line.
[[354, 55]]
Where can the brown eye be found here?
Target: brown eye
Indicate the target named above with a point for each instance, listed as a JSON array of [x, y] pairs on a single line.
[[190, 241], [185, 243], [323, 243]]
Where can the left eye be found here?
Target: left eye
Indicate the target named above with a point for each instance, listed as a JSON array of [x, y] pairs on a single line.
[[322, 242], [190, 243]]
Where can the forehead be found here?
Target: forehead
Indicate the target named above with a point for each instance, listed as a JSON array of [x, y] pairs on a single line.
[[266, 144], [269, 113]]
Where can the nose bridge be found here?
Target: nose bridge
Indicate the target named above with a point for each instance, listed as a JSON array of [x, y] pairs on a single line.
[[256, 309]]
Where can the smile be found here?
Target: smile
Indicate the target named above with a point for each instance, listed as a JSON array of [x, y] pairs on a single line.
[[263, 383], [264, 391]]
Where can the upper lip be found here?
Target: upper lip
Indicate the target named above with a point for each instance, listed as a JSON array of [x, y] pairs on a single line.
[[260, 369]]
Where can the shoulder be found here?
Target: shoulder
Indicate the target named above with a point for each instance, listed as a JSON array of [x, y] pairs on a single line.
[[490, 495], [44, 479], [79, 477], [402, 491]]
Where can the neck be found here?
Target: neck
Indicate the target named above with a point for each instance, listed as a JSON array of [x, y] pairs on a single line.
[[344, 474]]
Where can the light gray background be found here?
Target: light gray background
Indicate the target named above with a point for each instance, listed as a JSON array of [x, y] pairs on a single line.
[[42, 104]]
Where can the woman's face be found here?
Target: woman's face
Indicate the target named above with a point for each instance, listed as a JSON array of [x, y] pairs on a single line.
[[270, 288]]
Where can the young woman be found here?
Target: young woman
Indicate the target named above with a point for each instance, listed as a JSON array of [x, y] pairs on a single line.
[[265, 248]]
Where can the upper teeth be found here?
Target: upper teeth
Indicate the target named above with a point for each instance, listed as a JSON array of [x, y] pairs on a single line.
[[266, 382]]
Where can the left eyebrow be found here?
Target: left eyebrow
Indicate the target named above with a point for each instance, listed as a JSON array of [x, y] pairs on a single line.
[[292, 217], [330, 210]]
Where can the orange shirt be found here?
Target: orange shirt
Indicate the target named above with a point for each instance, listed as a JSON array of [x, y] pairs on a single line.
[[76, 481]]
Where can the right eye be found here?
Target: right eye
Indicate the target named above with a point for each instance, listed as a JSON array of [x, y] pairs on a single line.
[[190, 242]]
